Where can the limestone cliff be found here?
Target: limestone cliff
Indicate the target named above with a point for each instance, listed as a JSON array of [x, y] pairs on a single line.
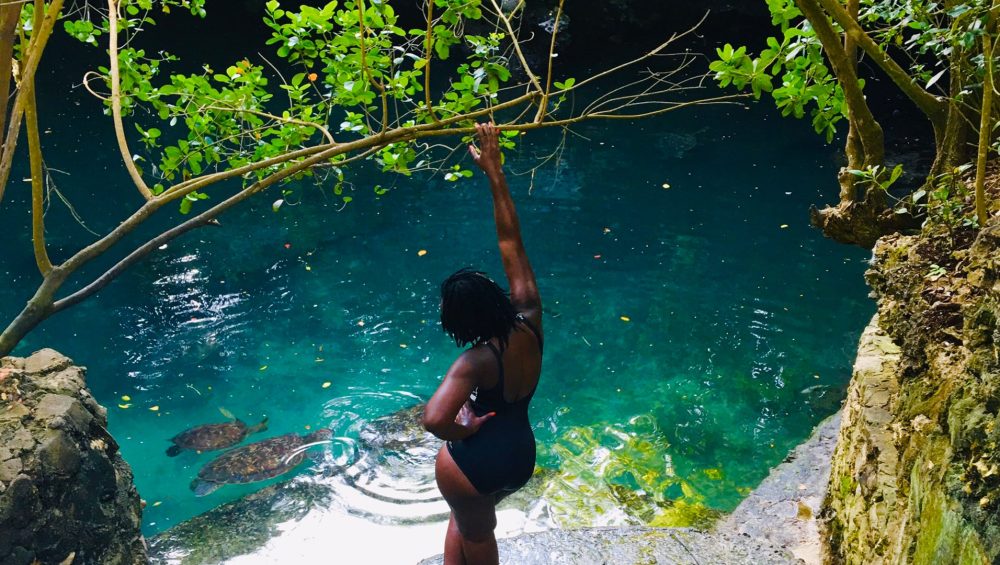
[[916, 471], [66, 494]]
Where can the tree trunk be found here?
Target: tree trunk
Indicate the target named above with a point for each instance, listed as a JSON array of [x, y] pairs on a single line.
[[853, 148], [985, 123], [35, 312], [931, 106], [9, 15], [953, 142], [868, 129], [857, 219]]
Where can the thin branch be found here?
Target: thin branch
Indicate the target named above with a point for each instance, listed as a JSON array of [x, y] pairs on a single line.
[[427, 60], [986, 113], [366, 72], [35, 49], [86, 85], [517, 44], [116, 102], [322, 129], [37, 180], [543, 105], [51, 188]]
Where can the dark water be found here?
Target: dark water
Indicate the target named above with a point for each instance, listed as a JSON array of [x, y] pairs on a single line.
[[694, 333]]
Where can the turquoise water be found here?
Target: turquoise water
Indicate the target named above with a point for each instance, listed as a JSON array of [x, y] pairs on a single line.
[[706, 319]]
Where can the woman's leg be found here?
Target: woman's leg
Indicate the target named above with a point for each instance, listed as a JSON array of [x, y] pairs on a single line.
[[453, 544], [473, 514]]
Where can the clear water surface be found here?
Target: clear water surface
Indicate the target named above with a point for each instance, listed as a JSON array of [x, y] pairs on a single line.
[[706, 321]]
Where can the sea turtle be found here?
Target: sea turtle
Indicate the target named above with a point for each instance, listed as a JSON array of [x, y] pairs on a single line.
[[257, 461], [210, 437]]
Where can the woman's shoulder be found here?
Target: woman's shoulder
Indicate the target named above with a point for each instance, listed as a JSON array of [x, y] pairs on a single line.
[[533, 317], [478, 355]]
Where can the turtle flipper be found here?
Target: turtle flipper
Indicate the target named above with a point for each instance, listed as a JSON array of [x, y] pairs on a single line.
[[202, 488], [174, 450], [262, 426]]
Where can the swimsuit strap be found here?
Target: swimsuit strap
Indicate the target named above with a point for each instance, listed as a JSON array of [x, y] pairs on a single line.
[[534, 330], [499, 356]]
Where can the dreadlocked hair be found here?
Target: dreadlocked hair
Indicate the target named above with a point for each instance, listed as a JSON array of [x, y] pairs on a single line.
[[475, 309]]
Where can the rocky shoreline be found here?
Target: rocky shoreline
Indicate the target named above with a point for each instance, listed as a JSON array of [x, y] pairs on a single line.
[[66, 494]]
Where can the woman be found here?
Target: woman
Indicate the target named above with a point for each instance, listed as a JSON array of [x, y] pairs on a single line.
[[481, 407]]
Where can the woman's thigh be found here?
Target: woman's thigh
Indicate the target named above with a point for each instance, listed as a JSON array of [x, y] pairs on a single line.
[[474, 513]]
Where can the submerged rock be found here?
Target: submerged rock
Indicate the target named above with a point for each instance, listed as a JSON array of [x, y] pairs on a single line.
[[627, 546], [389, 493], [66, 494], [784, 507]]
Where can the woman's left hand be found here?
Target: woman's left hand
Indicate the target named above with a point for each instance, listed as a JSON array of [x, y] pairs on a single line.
[[468, 419]]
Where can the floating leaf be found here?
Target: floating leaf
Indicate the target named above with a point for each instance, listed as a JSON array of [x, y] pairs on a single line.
[[714, 474]]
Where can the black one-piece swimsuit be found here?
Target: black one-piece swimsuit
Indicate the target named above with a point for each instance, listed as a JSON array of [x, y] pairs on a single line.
[[500, 457]]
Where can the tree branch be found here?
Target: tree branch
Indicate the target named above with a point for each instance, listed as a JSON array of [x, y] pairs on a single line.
[[322, 129], [37, 181], [985, 122], [933, 107], [34, 51], [543, 105], [651, 53], [517, 44], [116, 102], [365, 72], [427, 60], [9, 16], [869, 130]]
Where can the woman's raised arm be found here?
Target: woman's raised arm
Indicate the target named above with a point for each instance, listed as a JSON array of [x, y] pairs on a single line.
[[523, 288]]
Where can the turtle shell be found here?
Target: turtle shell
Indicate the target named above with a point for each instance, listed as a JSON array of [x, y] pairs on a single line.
[[255, 462], [210, 437]]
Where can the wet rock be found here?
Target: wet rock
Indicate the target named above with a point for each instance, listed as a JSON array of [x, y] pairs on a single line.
[[67, 381], [915, 471], [59, 456], [680, 546], [21, 440], [66, 495], [45, 361], [783, 507], [10, 469], [63, 410]]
